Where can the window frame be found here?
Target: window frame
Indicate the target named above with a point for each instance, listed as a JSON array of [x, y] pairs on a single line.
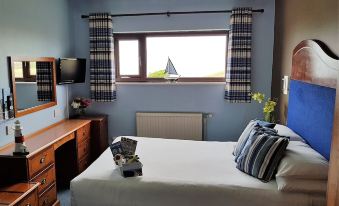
[[141, 37], [27, 77]]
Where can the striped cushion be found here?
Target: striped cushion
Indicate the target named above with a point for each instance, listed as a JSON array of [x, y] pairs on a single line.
[[245, 135], [243, 138], [262, 154]]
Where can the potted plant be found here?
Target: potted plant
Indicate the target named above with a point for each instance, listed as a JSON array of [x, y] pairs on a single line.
[[269, 106]]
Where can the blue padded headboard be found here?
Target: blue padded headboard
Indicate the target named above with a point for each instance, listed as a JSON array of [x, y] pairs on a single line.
[[311, 114]]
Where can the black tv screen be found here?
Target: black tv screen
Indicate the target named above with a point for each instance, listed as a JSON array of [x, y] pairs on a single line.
[[71, 70]]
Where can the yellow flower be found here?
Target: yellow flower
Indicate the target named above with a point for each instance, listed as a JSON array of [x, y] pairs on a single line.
[[269, 106], [259, 97]]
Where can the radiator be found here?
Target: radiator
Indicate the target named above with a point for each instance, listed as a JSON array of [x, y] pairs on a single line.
[[188, 126]]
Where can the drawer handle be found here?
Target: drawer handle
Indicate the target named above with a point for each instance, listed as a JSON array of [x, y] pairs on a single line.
[[43, 181], [42, 160], [28, 204]]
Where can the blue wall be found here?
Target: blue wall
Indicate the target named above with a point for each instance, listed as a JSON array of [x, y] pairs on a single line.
[[34, 28], [229, 119], [54, 28]]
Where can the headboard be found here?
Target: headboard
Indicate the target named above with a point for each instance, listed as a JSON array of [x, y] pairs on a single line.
[[313, 108], [312, 95]]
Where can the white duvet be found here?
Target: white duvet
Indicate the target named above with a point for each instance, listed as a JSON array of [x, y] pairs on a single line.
[[180, 173]]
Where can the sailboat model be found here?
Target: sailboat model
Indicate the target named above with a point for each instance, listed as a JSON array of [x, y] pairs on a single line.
[[170, 73]]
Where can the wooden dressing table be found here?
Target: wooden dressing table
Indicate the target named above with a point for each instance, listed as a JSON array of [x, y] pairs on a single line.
[[44, 163], [22, 194]]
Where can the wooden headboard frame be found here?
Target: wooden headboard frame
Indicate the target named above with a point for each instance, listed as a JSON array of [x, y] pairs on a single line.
[[314, 63]]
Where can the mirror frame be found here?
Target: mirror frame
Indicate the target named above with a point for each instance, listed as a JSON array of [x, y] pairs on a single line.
[[20, 113]]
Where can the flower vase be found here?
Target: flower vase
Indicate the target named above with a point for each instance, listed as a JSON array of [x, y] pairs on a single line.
[[80, 112], [267, 117]]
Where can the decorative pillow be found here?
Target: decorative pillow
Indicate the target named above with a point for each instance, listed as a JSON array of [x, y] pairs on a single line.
[[256, 130], [243, 138], [266, 124], [287, 132], [301, 161], [262, 155], [301, 185], [245, 134]]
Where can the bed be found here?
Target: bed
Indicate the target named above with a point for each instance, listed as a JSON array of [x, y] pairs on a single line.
[[202, 173], [180, 172]]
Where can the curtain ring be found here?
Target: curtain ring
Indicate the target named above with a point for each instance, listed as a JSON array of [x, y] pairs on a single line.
[[168, 14]]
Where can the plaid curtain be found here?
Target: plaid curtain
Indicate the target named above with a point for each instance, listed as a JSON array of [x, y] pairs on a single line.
[[102, 69], [238, 72], [44, 81]]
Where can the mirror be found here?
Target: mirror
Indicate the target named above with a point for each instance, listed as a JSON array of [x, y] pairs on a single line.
[[33, 84]]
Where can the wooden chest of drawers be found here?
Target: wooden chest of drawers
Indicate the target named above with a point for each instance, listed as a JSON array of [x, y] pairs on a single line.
[[84, 147], [46, 178], [40, 161], [49, 196], [99, 134], [40, 166], [20, 194], [30, 200]]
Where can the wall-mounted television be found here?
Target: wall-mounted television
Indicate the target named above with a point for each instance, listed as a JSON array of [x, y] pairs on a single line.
[[71, 70]]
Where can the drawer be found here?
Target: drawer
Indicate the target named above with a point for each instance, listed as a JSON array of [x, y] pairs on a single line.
[[30, 200], [83, 133], [45, 178], [83, 148], [40, 161], [49, 197], [83, 164]]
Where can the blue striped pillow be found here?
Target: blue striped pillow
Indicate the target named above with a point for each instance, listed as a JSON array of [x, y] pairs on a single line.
[[262, 154], [243, 138], [252, 125]]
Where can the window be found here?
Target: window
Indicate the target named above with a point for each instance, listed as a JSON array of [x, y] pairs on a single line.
[[196, 56], [25, 71], [18, 70], [32, 69], [129, 57]]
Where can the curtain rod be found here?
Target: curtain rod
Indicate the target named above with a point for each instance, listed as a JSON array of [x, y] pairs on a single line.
[[169, 13]]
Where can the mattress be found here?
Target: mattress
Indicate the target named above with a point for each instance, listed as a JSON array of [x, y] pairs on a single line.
[[181, 173]]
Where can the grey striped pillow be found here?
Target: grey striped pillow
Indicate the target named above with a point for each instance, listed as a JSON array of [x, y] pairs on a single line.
[[255, 131], [246, 133], [261, 155], [243, 138]]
